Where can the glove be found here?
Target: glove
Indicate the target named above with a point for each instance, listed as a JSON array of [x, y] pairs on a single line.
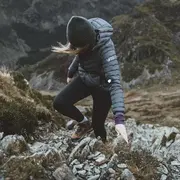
[[120, 127]]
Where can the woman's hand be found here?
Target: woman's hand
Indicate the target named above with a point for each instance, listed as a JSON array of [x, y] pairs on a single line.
[[69, 80], [121, 130], [120, 127]]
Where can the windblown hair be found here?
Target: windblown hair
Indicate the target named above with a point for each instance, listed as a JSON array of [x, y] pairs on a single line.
[[67, 49]]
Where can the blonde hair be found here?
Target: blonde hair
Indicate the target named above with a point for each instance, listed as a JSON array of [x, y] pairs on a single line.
[[67, 49]]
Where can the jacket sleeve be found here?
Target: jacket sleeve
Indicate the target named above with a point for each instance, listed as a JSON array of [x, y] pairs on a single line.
[[112, 73], [73, 67]]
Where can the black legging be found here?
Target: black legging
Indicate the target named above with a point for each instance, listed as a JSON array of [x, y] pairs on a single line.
[[77, 90]]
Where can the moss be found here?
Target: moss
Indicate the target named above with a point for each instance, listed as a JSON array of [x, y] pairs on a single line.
[[22, 107], [22, 168], [141, 163], [17, 117], [144, 39], [45, 100], [19, 80], [42, 113]]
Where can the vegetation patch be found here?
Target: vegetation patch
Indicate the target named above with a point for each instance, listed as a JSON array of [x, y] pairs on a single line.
[[144, 38]]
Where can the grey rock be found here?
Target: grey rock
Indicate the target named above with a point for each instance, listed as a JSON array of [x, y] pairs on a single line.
[[93, 143], [103, 166], [93, 156], [85, 151], [13, 144], [79, 166], [113, 161], [77, 150], [89, 173], [175, 163], [163, 177], [74, 171], [111, 171], [100, 158], [112, 177], [1, 135], [64, 173], [39, 147], [82, 173], [127, 175], [94, 177], [122, 166], [87, 167], [74, 162]]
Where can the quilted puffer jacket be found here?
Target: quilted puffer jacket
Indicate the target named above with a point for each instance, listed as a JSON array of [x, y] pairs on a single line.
[[100, 67]]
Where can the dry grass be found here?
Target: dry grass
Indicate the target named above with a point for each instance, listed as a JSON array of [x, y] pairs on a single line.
[[22, 107]]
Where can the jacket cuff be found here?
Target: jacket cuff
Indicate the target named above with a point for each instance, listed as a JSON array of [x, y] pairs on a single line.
[[119, 118]]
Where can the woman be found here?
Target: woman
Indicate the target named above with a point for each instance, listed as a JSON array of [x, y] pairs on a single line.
[[98, 75]]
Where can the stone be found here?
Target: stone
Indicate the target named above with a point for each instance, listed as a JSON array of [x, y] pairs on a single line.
[[82, 173], [93, 143], [111, 171], [93, 177], [163, 177], [97, 171], [100, 158], [13, 144], [127, 175], [1, 135], [64, 172], [79, 166], [74, 171], [113, 161], [77, 150], [39, 147], [175, 163], [87, 167], [85, 152], [93, 156], [89, 173], [122, 166], [103, 166]]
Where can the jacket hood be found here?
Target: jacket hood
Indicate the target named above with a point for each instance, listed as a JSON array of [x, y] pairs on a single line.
[[103, 28]]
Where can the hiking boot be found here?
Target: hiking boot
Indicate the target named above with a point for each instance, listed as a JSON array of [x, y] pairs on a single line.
[[81, 130]]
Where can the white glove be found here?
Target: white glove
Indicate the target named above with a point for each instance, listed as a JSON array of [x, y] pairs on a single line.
[[121, 130]]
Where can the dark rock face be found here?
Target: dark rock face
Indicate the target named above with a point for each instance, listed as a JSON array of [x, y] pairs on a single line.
[[30, 25]]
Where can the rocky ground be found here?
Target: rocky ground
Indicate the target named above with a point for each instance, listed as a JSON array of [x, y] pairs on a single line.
[[153, 154], [48, 153]]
